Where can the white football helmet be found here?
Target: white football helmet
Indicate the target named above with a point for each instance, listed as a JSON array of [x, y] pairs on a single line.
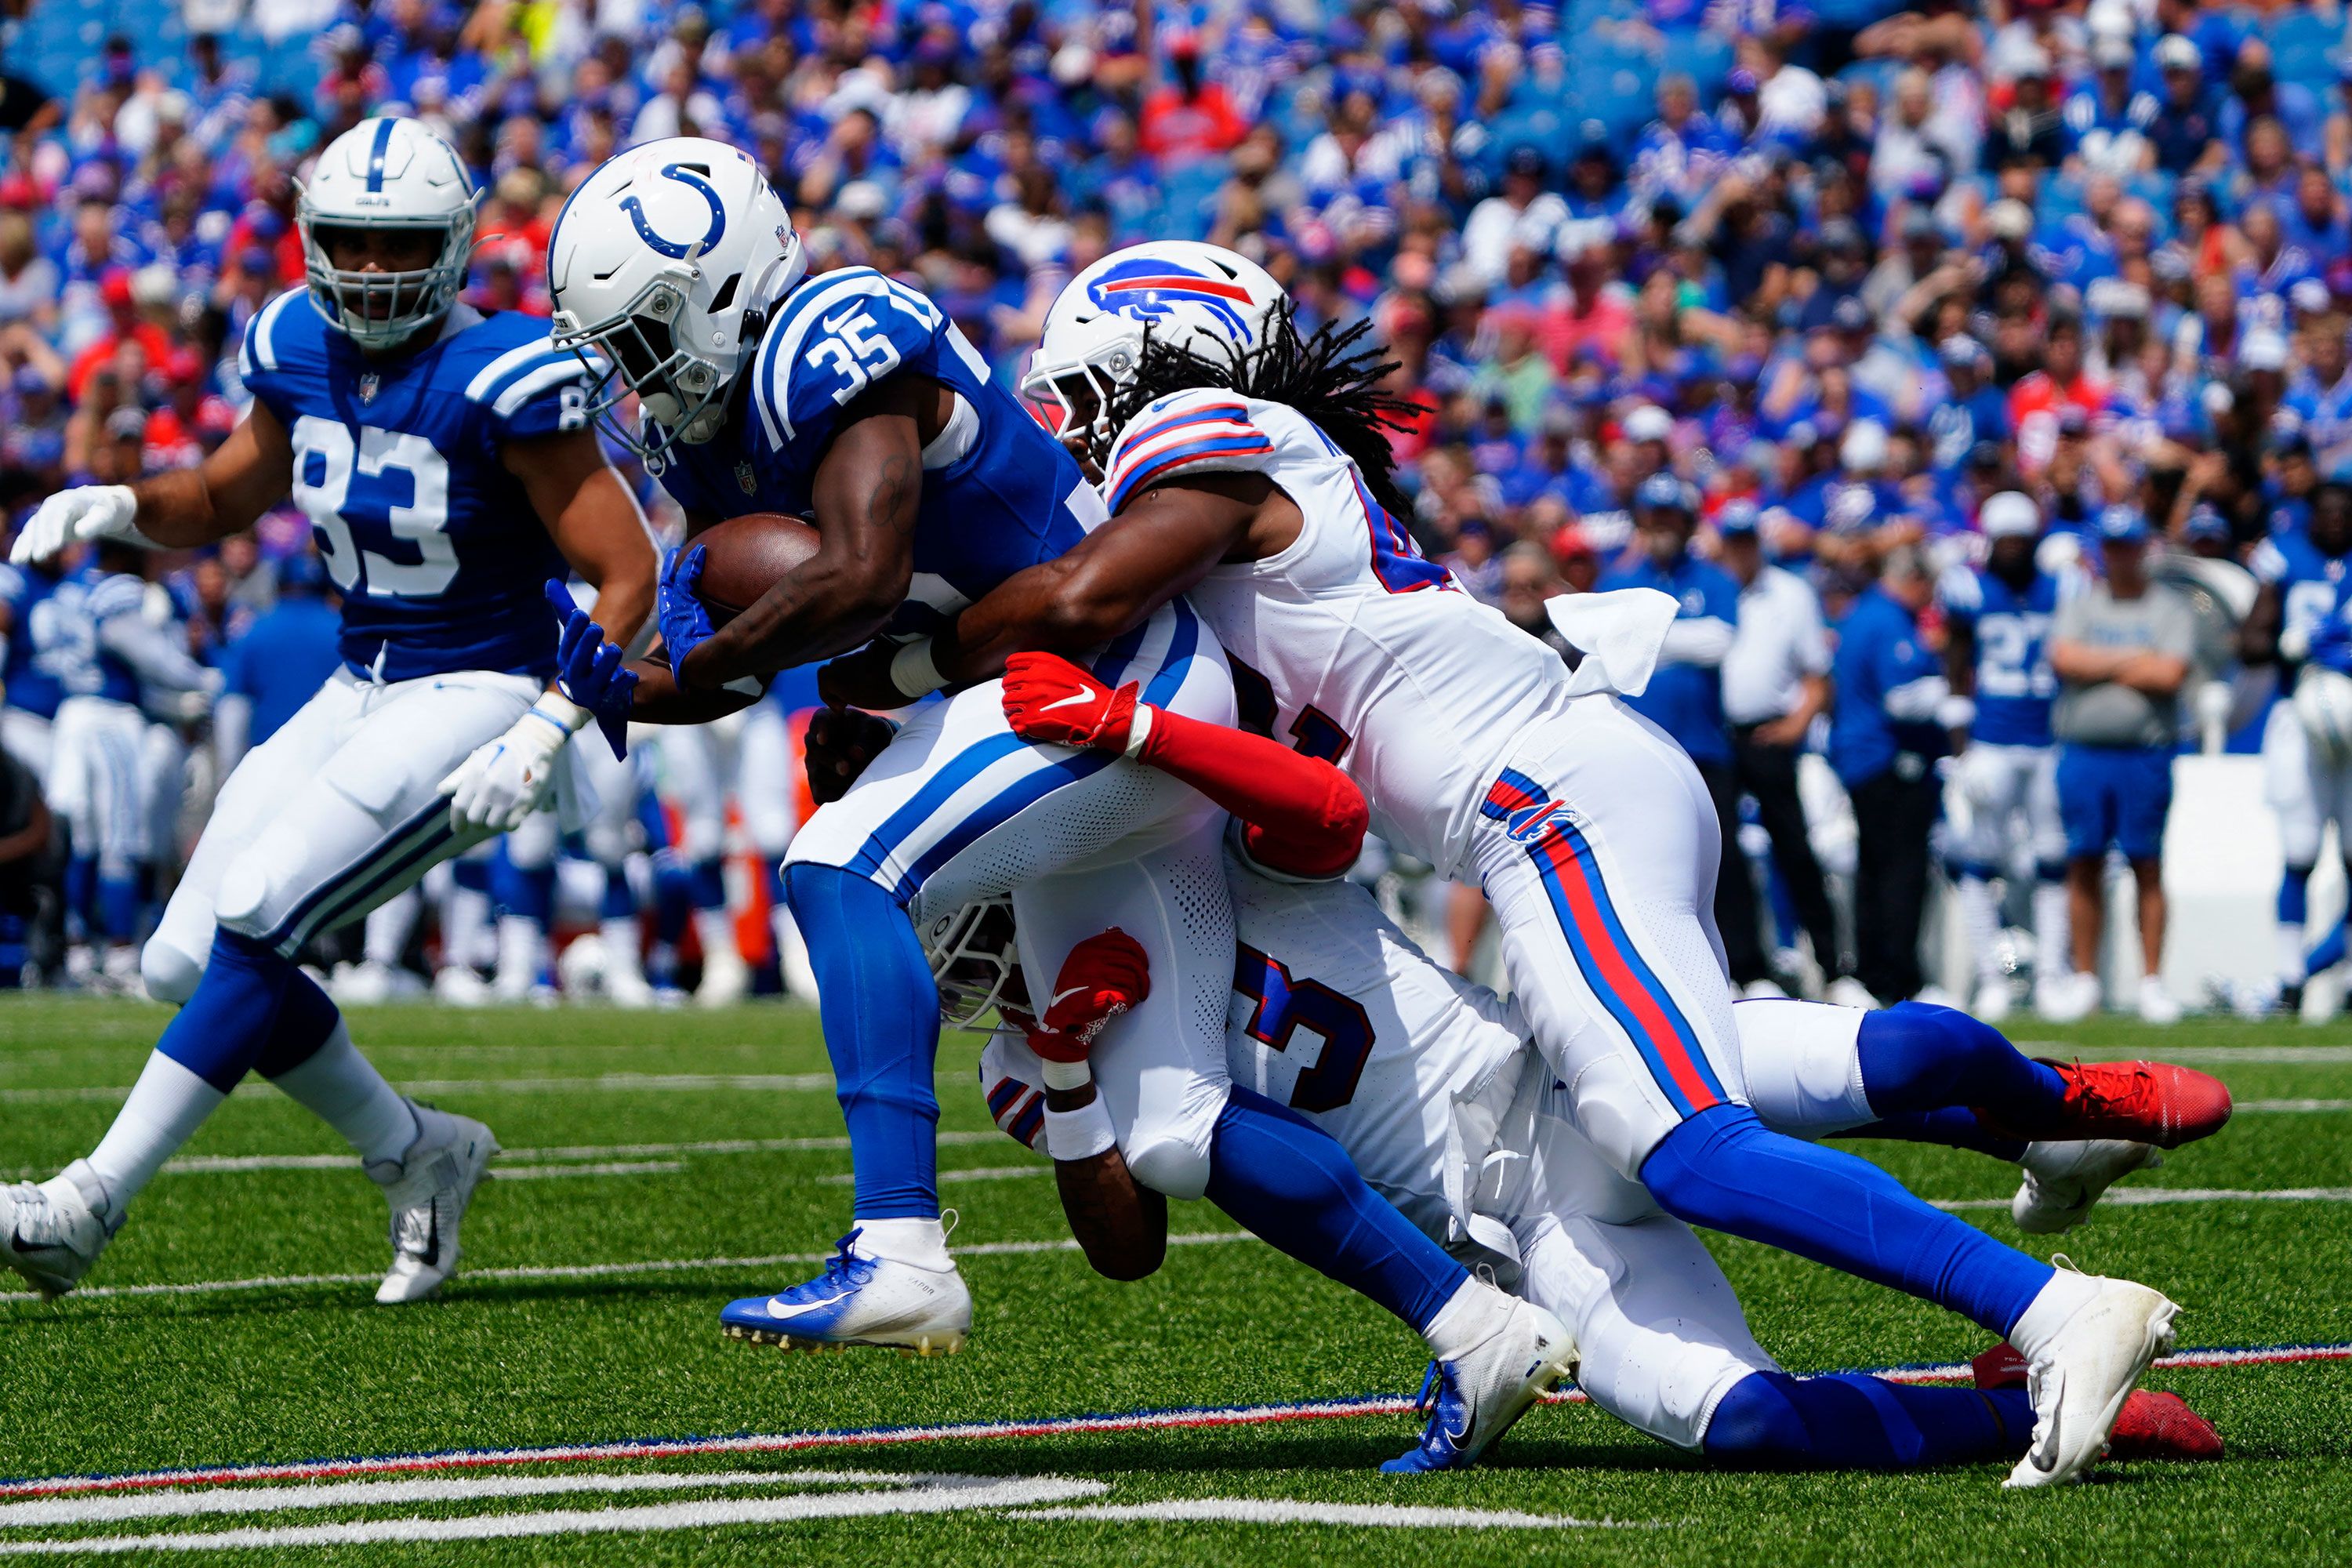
[[385, 173], [1204, 297], [664, 265], [973, 960], [2323, 701]]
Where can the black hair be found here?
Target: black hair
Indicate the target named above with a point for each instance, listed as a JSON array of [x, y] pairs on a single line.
[[1332, 377]]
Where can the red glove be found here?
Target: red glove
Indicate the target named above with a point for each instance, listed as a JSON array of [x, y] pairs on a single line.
[[1104, 976], [1048, 698]]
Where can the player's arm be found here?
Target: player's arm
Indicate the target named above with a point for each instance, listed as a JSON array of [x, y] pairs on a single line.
[[867, 488], [247, 474], [1302, 817], [2258, 638]]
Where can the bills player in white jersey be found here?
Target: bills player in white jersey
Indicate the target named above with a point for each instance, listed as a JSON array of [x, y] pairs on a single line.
[[850, 398], [1431, 1084], [446, 464], [1590, 831]]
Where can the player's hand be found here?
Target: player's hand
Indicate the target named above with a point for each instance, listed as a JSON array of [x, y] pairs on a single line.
[[1049, 700], [589, 671], [507, 779], [71, 517], [840, 742], [1104, 976], [862, 678], [684, 620]]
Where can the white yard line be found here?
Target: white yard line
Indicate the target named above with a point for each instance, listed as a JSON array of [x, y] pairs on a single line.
[[2292, 1107], [613, 1083], [2194, 1056], [231, 1165], [591, 1168], [973, 1174], [2141, 1197], [1366, 1515]]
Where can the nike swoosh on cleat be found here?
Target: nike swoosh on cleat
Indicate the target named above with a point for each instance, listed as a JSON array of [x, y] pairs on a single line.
[[2045, 1458], [778, 1308]]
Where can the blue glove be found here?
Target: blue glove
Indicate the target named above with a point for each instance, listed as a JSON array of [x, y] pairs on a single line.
[[589, 670], [685, 620]]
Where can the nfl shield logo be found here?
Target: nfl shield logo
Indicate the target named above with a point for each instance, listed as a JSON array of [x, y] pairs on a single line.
[[746, 478], [369, 382]]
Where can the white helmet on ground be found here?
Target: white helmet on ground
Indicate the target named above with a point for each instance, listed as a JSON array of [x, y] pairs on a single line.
[[1213, 301], [664, 265], [2323, 701], [386, 174]]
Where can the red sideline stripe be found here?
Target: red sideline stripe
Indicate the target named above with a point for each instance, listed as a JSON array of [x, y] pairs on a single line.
[[779, 1443], [1583, 902]]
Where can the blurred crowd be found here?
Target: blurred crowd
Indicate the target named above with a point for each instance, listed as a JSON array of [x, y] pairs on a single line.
[[1834, 272]]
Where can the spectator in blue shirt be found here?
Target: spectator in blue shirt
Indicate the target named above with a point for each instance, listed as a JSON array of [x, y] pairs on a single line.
[[1887, 730], [1685, 698], [280, 664]]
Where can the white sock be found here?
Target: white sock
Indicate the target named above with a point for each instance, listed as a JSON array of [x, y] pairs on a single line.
[[343, 1088], [1468, 1315], [1980, 917], [389, 926], [921, 1242], [465, 921], [166, 1106], [2054, 931], [621, 940], [2065, 1295], [2291, 953], [715, 930], [520, 944]]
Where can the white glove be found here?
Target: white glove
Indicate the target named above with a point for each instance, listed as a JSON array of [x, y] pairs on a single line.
[[506, 780], [74, 516]]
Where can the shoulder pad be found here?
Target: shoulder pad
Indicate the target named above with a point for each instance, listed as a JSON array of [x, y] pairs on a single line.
[[117, 594], [829, 339], [1960, 589], [264, 337], [1199, 428], [509, 379]]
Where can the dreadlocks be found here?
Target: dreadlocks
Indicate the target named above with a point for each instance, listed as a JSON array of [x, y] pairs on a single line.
[[1333, 378]]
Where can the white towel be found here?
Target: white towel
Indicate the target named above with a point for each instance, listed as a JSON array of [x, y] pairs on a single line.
[[1619, 633]]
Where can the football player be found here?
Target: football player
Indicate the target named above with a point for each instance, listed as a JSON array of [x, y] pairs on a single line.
[[447, 466], [1478, 750], [852, 397], [2303, 574], [1997, 617]]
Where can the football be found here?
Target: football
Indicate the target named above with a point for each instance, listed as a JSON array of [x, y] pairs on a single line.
[[749, 555]]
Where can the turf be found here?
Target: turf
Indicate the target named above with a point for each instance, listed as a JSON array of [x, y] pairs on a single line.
[[290, 1372]]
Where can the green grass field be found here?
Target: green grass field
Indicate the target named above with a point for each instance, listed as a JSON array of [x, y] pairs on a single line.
[[596, 1265]]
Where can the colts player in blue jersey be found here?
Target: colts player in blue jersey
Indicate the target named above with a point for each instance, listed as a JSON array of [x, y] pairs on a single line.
[[1997, 656], [2304, 573], [850, 396], [447, 468]]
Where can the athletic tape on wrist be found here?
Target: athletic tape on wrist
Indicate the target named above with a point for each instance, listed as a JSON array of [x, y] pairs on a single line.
[[1065, 1075], [1139, 732], [1079, 1134], [914, 672], [563, 712]]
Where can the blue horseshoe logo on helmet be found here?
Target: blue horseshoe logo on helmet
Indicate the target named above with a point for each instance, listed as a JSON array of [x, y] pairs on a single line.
[[670, 248]]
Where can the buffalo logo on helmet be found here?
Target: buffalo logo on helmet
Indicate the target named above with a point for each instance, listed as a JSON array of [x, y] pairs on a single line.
[[1146, 287]]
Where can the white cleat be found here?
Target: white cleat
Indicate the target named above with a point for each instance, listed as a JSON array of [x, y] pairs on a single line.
[[1992, 1001], [859, 1300], [2063, 1180], [2156, 1006], [52, 1233], [726, 978], [429, 1188], [1472, 1400], [459, 986], [1766, 990], [1845, 991], [2067, 998], [2079, 1379]]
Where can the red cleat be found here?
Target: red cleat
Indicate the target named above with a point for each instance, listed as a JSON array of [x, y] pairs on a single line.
[[2143, 1103], [2159, 1426], [2000, 1367]]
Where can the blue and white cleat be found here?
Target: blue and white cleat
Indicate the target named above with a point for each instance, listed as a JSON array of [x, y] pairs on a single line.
[[859, 1300], [1472, 1400]]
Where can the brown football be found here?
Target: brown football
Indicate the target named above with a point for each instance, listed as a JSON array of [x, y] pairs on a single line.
[[748, 556]]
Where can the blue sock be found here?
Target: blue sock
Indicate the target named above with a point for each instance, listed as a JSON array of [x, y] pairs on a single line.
[[708, 879], [619, 902], [1847, 1421], [1952, 1126], [223, 1027], [2294, 896], [1290, 1183], [1916, 1057], [881, 1016], [1723, 1170], [474, 876], [673, 898], [82, 893], [526, 891], [118, 905], [2329, 953], [305, 1021]]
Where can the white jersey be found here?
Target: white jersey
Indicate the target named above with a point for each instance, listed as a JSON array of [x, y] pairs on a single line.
[[1349, 642]]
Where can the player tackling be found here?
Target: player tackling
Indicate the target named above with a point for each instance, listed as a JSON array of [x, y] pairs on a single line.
[[446, 463]]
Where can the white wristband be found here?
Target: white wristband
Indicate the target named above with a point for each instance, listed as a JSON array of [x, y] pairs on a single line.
[[1065, 1075], [567, 715], [1079, 1134], [1138, 731], [913, 671]]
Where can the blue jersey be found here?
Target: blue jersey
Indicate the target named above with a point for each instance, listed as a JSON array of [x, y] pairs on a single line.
[[2015, 685], [2310, 585], [66, 627], [1006, 498], [432, 543], [1685, 700], [1878, 650], [2331, 640], [280, 663], [29, 687]]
